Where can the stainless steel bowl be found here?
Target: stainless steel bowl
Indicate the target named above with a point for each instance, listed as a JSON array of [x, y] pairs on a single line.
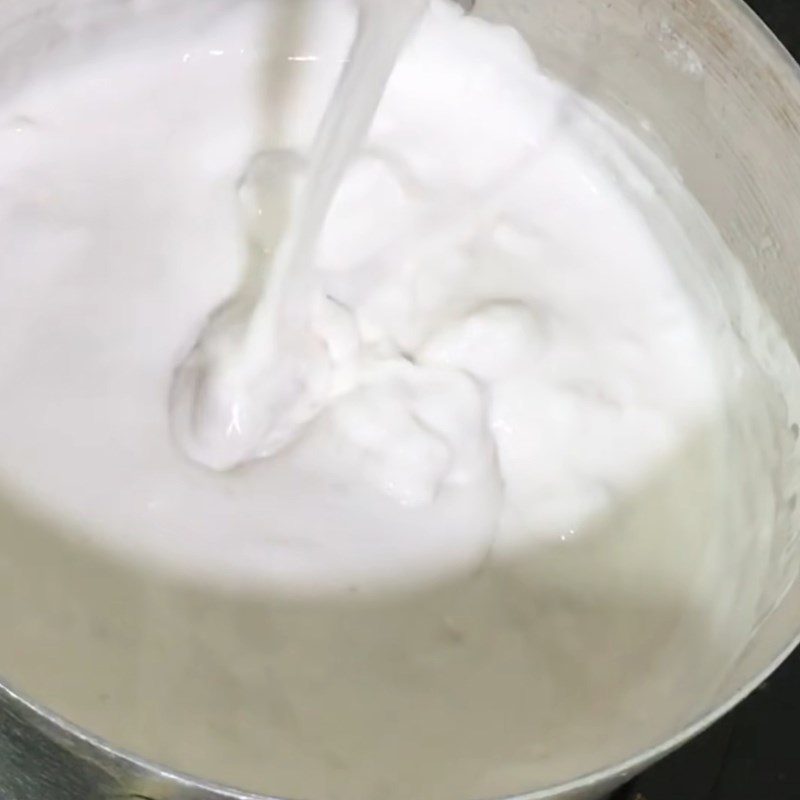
[[704, 83]]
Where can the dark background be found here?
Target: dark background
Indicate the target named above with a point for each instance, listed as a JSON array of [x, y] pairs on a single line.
[[783, 16], [754, 753]]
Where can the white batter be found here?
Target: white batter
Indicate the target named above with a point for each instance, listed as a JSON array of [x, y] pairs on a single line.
[[505, 351], [506, 375]]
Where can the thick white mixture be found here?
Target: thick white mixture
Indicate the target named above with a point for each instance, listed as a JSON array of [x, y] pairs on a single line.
[[512, 351], [516, 401]]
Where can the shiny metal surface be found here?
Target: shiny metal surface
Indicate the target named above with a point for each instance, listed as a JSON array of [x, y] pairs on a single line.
[[43, 759], [703, 82]]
